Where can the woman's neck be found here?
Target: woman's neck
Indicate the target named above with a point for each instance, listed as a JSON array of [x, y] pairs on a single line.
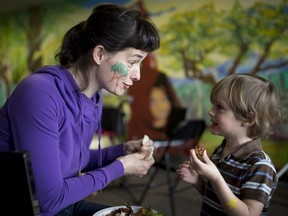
[[89, 90]]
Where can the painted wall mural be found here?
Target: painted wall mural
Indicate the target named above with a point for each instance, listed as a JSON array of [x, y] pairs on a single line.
[[202, 42]]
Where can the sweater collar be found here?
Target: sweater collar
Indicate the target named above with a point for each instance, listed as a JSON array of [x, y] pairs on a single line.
[[94, 102]]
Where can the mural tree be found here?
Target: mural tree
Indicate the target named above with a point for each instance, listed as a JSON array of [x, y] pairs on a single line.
[[21, 39], [12, 47], [206, 38], [30, 37]]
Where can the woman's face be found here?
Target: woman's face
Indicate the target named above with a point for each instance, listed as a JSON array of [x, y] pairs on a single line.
[[118, 71], [160, 106]]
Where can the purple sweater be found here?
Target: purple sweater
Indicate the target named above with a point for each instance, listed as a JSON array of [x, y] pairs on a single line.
[[48, 116]]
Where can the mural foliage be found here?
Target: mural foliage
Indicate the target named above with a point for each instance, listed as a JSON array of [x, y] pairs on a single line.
[[208, 45], [199, 46]]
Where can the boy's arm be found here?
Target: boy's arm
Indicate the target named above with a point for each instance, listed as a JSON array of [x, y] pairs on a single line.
[[200, 185], [232, 204]]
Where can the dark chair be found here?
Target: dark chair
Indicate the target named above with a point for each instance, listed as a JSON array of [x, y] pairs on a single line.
[[113, 124], [18, 195], [168, 155]]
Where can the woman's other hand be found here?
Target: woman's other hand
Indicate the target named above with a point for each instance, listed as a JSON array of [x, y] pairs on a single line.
[[136, 164], [134, 146]]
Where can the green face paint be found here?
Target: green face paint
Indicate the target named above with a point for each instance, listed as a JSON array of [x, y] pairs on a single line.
[[120, 68]]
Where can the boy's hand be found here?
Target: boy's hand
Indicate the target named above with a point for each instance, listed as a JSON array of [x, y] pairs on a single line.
[[204, 167]]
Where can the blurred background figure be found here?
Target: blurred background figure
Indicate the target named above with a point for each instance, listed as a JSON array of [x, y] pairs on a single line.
[[153, 100]]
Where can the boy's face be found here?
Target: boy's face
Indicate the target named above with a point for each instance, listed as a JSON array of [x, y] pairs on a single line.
[[224, 121]]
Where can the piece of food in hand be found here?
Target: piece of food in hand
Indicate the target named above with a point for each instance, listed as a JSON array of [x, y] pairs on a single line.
[[150, 149], [199, 150], [149, 154], [145, 139]]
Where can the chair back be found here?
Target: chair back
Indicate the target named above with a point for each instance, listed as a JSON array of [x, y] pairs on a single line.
[[190, 129], [17, 196], [185, 137], [112, 121]]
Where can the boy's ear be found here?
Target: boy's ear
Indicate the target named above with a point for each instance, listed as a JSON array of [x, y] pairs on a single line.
[[98, 54], [250, 120]]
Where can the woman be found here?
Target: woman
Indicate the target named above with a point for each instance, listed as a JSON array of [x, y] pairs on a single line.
[[55, 112]]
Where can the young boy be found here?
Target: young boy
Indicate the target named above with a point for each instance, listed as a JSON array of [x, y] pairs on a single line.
[[239, 177]]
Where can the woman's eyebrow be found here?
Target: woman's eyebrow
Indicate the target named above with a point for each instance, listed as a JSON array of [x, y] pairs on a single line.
[[138, 56]]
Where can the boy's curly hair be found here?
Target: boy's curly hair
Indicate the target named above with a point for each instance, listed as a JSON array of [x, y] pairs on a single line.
[[251, 97]]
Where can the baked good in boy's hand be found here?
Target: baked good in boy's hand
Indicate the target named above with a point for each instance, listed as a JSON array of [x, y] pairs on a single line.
[[149, 149], [199, 150]]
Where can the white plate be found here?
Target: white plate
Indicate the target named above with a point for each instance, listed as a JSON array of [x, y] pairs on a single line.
[[106, 211]]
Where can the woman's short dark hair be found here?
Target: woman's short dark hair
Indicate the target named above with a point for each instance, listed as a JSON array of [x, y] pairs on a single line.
[[112, 26]]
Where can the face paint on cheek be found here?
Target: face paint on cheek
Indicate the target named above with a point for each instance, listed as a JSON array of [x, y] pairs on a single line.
[[117, 69], [120, 68]]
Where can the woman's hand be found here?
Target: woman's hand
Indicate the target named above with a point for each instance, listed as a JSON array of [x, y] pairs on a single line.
[[136, 163], [134, 146]]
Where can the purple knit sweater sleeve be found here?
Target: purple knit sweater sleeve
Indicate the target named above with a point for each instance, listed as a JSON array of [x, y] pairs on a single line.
[[56, 127]]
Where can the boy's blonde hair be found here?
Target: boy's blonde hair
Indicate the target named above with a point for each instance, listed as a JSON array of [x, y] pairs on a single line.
[[251, 98]]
